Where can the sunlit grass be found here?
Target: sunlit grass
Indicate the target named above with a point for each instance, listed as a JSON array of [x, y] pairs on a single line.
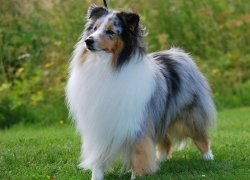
[[37, 38], [37, 152]]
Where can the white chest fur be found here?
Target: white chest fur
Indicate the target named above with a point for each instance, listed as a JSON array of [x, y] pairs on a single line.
[[107, 105]]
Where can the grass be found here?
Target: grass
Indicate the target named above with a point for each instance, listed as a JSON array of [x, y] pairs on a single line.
[[38, 36], [36, 152]]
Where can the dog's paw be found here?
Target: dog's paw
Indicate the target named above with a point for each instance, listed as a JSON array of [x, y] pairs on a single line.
[[94, 178], [80, 166], [208, 156], [133, 177]]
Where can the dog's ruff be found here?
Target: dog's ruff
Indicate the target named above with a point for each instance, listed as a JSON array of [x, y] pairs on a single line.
[[125, 102], [109, 106]]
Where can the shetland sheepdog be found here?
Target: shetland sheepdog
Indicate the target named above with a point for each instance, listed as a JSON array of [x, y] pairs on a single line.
[[132, 105]]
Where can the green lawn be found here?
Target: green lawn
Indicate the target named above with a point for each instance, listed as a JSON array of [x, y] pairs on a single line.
[[52, 153]]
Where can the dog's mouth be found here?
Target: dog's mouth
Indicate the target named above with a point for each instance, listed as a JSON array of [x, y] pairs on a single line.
[[106, 50], [91, 48]]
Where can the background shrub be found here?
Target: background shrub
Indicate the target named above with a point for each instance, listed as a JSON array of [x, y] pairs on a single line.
[[37, 38]]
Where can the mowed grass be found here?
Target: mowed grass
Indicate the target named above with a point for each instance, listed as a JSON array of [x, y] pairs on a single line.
[[52, 153]]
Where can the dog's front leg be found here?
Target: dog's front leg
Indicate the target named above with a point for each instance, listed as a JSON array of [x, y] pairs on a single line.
[[133, 177], [97, 173], [143, 160]]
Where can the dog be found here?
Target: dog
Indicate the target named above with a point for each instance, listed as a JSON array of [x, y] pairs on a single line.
[[132, 105]]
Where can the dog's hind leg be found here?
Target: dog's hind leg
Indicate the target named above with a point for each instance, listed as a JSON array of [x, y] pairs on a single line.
[[203, 145], [196, 127], [163, 151], [143, 160]]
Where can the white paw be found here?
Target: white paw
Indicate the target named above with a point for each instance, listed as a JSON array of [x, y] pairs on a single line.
[[97, 173], [133, 177], [95, 178], [208, 156], [82, 166]]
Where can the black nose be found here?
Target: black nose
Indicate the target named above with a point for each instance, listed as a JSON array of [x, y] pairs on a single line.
[[89, 42]]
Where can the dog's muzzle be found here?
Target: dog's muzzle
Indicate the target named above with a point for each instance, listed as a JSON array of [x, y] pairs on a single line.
[[90, 43]]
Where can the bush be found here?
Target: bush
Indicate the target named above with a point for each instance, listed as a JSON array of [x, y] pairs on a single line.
[[11, 115], [37, 38]]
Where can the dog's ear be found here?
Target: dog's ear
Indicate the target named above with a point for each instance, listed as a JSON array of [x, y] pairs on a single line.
[[130, 20], [94, 11]]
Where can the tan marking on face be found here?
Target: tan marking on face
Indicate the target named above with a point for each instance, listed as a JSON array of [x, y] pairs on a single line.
[[97, 24], [116, 50], [113, 46], [106, 44], [143, 160], [109, 26]]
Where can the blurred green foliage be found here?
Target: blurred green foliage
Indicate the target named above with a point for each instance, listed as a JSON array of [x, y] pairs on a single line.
[[37, 38]]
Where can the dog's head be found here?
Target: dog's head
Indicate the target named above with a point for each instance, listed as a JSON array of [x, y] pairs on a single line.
[[113, 32]]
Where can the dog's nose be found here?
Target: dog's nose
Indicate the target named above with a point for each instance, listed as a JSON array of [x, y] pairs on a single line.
[[90, 41]]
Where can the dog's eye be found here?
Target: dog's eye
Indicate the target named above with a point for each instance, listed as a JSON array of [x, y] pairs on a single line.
[[110, 32], [95, 28]]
